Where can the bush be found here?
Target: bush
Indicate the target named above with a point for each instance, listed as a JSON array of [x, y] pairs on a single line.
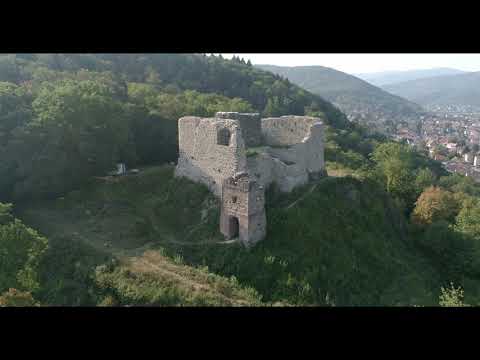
[[434, 204], [452, 297], [67, 273], [21, 250], [14, 297], [450, 251]]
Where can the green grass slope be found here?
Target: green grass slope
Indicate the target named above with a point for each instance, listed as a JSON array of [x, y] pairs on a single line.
[[153, 279], [339, 242], [117, 221]]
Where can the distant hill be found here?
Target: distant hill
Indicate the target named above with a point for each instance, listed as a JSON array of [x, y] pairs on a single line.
[[459, 90], [393, 77], [358, 99]]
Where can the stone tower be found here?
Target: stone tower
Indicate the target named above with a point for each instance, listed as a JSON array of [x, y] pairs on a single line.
[[243, 209]]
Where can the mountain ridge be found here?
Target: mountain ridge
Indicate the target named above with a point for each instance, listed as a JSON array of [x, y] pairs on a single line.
[[446, 90], [360, 100], [384, 78]]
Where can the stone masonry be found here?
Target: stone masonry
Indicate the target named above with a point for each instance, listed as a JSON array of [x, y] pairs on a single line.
[[239, 155], [250, 125], [243, 209]]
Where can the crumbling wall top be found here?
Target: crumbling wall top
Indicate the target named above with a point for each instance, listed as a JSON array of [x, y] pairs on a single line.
[[250, 124], [287, 130]]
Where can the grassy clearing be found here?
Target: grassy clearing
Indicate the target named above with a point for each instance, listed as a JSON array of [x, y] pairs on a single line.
[[335, 169], [131, 212], [123, 218]]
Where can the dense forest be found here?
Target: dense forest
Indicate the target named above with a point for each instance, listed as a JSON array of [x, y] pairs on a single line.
[[388, 227]]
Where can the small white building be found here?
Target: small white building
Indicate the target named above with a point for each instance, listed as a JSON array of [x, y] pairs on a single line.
[[468, 158], [121, 169]]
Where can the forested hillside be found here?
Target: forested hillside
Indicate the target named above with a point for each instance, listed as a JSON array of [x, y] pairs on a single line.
[[66, 118], [387, 227], [361, 101]]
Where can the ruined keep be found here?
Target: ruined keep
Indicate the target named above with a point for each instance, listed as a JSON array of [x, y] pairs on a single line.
[[238, 155]]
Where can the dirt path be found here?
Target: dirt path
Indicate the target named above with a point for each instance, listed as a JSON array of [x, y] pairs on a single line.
[[171, 240], [301, 197], [189, 243], [151, 262]]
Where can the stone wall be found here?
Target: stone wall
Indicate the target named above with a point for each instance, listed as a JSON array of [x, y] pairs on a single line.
[[250, 124], [267, 169], [293, 165], [243, 201], [212, 151], [286, 130], [201, 158]]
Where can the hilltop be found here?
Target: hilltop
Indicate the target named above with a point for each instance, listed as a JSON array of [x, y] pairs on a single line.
[[319, 249], [448, 90], [358, 99]]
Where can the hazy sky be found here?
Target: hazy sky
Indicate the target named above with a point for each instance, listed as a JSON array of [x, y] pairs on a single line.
[[365, 63]]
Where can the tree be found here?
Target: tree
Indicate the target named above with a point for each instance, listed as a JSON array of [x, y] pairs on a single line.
[[451, 252], [440, 150], [9, 70], [468, 219], [457, 183], [21, 249], [152, 76], [80, 130], [15, 112], [434, 204], [5, 213], [14, 297], [395, 166], [425, 178], [468, 224]]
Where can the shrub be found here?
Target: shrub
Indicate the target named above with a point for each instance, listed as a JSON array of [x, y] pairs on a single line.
[[434, 204], [452, 297], [14, 297], [21, 249]]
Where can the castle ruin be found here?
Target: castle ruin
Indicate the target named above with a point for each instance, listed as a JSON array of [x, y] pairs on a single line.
[[239, 155]]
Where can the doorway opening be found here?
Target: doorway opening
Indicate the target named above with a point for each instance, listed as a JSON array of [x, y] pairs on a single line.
[[233, 227]]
